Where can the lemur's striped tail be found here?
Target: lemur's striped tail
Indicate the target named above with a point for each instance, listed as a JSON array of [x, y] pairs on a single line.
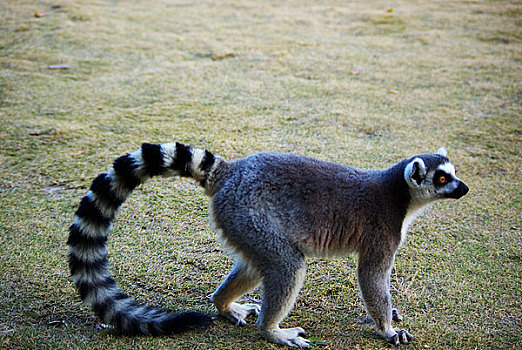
[[93, 222]]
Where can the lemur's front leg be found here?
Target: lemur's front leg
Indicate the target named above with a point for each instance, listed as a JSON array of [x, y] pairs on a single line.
[[374, 282]]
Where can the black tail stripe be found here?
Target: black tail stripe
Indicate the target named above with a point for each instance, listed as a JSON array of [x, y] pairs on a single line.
[[120, 296], [207, 162], [90, 213], [97, 267], [77, 239], [102, 187], [152, 159], [185, 321], [124, 167], [85, 287], [183, 159], [130, 326], [100, 308]]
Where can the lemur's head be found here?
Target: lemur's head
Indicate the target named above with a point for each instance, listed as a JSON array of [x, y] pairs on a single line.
[[432, 176]]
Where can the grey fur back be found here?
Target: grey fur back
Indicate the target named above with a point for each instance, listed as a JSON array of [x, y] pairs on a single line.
[[316, 203]]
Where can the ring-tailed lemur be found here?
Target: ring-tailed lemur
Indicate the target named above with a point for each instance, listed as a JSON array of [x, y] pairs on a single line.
[[272, 210]]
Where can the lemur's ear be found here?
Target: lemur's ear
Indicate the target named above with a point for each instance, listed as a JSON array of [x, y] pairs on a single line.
[[415, 172], [442, 151]]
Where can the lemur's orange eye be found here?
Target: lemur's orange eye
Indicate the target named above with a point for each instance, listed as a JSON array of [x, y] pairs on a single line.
[[442, 179]]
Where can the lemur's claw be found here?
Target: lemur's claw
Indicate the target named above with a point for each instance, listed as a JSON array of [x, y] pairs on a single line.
[[401, 337], [395, 316]]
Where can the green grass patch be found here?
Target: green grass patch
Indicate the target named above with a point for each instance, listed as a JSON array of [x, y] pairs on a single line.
[[352, 82]]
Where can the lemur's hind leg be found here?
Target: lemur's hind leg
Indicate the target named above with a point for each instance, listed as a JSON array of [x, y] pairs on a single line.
[[242, 279], [281, 284], [280, 265]]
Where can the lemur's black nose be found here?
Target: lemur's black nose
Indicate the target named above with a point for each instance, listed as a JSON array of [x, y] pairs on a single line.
[[460, 191]]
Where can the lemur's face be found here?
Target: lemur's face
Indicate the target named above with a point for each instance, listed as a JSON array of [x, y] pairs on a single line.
[[446, 183], [432, 177]]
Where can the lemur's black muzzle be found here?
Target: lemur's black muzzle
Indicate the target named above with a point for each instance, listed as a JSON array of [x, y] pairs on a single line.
[[460, 191]]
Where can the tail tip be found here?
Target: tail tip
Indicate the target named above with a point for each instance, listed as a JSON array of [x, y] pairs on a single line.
[[187, 321]]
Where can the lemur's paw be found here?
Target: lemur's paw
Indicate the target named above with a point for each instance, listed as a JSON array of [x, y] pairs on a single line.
[[289, 336], [237, 313], [401, 337], [395, 316]]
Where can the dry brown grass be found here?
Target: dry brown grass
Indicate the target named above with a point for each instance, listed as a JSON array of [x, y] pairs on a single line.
[[357, 82]]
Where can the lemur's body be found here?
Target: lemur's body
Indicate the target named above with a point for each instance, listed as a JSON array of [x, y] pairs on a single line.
[[272, 210]]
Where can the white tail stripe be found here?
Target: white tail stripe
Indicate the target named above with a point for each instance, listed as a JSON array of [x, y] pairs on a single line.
[[169, 154], [197, 158], [88, 254], [90, 229]]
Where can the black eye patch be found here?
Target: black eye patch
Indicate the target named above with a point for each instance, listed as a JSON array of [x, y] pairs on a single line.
[[441, 178]]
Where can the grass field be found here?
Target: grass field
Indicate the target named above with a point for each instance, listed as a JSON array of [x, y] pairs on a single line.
[[365, 83]]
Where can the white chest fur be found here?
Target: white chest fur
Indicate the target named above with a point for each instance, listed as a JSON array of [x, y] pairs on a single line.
[[413, 212]]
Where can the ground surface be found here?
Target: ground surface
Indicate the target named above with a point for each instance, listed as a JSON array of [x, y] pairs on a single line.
[[360, 82]]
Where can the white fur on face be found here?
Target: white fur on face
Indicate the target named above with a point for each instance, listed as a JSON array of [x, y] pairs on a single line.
[[448, 168]]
